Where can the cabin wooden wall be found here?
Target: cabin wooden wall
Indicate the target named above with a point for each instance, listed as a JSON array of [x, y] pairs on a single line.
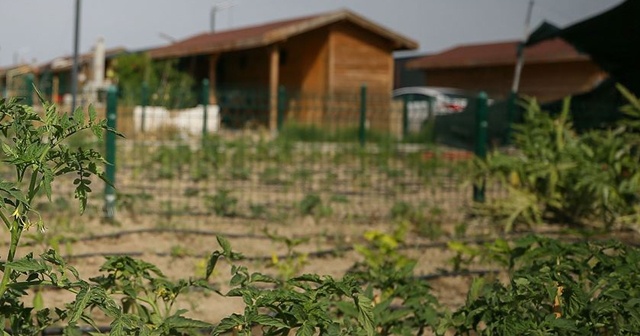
[[358, 57], [546, 82], [303, 62], [303, 68]]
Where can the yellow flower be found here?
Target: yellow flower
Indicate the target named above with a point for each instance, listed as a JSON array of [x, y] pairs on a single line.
[[16, 213]]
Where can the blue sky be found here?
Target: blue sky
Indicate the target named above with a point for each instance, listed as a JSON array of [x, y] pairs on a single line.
[[41, 30]]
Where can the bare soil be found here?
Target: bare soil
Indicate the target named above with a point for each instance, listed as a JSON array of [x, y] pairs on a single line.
[[179, 247]]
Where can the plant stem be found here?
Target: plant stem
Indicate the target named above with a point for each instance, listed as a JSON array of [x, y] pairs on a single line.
[[6, 221], [33, 189], [16, 232]]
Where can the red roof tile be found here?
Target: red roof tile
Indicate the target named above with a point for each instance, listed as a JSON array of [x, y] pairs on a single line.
[[265, 34], [502, 53]]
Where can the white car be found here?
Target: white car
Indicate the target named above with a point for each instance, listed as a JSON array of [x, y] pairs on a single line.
[[424, 102]]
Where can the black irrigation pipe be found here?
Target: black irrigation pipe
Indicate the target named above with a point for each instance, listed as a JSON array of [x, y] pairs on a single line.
[[437, 244], [116, 235], [317, 254]]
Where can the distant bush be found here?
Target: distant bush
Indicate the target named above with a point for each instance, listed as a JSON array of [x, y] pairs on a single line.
[[559, 175]]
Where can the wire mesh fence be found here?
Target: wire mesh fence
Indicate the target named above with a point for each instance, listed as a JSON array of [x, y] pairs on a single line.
[[257, 178], [333, 156], [351, 155]]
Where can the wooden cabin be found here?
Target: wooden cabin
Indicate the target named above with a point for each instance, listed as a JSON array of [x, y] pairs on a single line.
[[316, 59], [552, 69]]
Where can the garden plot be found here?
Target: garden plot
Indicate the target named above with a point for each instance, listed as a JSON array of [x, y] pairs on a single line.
[[274, 175], [173, 200], [277, 205]]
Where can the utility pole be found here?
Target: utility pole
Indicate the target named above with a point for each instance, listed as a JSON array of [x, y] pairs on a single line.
[[520, 53], [511, 104], [74, 69]]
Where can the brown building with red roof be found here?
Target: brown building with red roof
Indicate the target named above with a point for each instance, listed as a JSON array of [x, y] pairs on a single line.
[[323, 55], [552, 69]]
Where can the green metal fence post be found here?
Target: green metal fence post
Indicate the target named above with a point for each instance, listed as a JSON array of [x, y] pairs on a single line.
[[431, 121], [405, 116], [282, 97], [205, 106], [29, 90], [511, 112], [144, 101], [481, 141], [110, 154], [363, 115]]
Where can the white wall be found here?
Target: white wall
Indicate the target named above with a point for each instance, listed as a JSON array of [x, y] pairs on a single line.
[[188, 121]]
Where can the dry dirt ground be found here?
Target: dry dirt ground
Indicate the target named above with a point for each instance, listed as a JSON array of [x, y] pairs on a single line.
[[179, 247]]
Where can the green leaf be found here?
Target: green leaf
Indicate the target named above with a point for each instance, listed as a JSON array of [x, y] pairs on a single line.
[[308, 277], [259, 277], [52, 257], [181, 322], [562, 324], [617, 294], [211, 264], [92, 114], [228, 323], [629, 96], [26, 265], [365, 313], [14, 192], [477, 285], [38, 301], [71, 330], [267, 320], [78, 116], [80, 304], [122, 325], [522, 282], [226, 246], [306, 330]]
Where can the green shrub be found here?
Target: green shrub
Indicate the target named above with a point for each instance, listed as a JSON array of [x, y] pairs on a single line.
[[222, 203], [312, 204], [36, 165], [561, 176], [587, 288]]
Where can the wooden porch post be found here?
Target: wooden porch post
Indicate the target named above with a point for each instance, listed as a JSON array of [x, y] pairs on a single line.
[[274, 64], [55, 90], [213, 64]]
